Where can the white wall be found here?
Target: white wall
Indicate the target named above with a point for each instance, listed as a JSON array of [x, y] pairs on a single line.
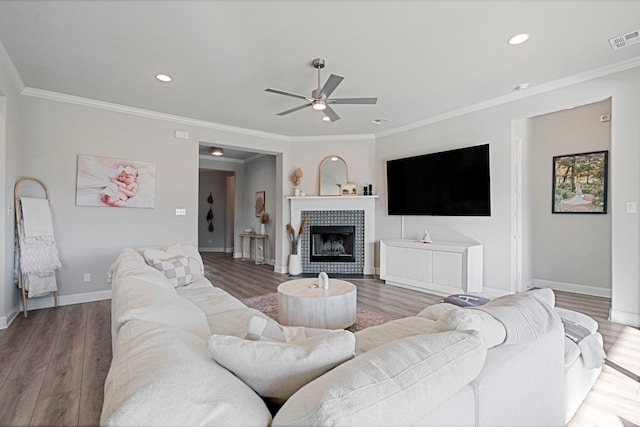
[[493, 125], [260, 175], [570, 251], [10, 148], [358, 154]]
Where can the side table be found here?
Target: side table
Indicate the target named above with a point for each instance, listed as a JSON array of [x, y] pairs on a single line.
[[254, 238]]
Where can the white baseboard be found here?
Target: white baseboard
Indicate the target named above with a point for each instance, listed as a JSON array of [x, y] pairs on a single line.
[[212, 250], [572, 287], [47, 302], [622, 317], [5, 321]]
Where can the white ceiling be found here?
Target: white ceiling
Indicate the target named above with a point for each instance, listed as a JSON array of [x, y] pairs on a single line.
[[420, 58]]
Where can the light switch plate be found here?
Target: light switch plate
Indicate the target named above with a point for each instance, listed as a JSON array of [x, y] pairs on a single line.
[[181, 211], [631, 207]]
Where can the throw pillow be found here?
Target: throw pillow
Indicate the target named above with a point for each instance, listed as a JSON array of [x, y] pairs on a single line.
[[176, 270], [275, 370], [195, 261]]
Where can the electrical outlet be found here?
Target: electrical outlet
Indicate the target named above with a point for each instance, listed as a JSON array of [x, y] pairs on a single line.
[[87, 277]]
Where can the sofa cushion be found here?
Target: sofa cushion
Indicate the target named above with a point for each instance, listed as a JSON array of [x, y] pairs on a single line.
[[139, 297], [526, 316], [375, 336], [275, 369], [163, 376], [210, 300], [396, 384], [461, 319], [130, 263], [176, 270], [437, 311]]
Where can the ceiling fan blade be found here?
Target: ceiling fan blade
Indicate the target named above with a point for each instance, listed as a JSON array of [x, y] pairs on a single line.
[[331, 85], [294, 109], [295, 95], [352, 101], [330, 112]]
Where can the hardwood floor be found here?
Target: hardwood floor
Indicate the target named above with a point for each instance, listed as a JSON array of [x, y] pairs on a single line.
[[53, 364]]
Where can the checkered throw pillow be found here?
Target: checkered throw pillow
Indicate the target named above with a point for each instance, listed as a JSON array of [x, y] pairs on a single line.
[[176, 270]]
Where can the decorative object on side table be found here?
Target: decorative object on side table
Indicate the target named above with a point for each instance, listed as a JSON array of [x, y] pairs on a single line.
[[295, 178], [295, 265], [210, 213], [264, 219]]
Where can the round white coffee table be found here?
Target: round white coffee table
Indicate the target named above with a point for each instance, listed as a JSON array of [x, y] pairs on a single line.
[[302, 303]]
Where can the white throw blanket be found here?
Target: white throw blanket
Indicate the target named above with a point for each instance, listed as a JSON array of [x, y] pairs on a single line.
[[38, 252]]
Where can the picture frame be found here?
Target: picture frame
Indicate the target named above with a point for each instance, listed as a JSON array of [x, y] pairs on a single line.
[[349, 189], [113, 182], [580, 183], [260, 203]]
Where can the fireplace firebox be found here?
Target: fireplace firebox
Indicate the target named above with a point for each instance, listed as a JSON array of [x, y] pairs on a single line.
[[332, 243]]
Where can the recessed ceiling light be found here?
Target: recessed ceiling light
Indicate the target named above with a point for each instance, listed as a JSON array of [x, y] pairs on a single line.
[[163, 77], [519, 38], [326, 119], [216, 151], [521, 86]]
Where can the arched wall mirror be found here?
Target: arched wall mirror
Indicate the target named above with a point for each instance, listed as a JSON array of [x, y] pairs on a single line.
[[333, 173]]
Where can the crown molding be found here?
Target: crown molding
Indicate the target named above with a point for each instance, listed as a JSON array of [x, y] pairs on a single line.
[[72, 99], [535, 90], [8, 64], [334, 138]]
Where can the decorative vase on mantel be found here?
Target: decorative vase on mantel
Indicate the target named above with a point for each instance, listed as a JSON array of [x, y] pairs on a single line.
[[296, 191], [295, 265], [263, 229]]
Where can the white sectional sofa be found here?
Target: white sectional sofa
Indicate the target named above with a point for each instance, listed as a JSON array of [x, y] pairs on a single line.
[[188, 353]]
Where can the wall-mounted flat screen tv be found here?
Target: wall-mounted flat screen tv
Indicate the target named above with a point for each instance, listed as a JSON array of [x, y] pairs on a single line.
[[448, 183]]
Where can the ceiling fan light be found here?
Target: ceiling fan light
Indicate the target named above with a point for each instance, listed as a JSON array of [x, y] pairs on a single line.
[[217, 151], [319, 105]]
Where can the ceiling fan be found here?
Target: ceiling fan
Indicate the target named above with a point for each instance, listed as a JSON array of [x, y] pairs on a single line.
[[319, 99]]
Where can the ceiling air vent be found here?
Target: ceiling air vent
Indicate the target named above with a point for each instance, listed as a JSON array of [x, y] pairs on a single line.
[[625, 40]]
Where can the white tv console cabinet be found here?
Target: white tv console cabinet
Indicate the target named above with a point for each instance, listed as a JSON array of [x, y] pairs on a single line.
[[438, 268]]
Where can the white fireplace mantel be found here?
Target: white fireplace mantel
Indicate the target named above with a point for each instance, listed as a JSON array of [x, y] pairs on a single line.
[[331, 203]]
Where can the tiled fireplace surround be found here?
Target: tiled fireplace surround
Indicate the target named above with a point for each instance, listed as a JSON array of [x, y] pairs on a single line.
[[337, 210]]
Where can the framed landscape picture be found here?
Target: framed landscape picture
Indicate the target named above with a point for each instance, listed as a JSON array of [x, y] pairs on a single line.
[[580, 183]]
